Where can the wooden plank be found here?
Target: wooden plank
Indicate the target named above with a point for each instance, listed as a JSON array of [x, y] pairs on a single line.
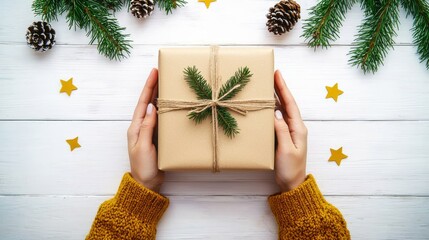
[[221, 217], [385, 158], [109, 90], [193, 24]]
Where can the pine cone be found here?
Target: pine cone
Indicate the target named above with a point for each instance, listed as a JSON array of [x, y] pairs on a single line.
[[283, 16], [142, 8], [40, 36]]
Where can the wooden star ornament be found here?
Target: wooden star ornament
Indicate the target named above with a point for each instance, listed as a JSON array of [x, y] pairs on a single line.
[[207, 2], [337, 156], [67, 86], [333, 92], [73, 143]]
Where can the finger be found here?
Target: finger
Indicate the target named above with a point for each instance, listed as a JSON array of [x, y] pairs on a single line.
[[146, 95], [286, 98], [147, 127], [282, 130], [149, 92], [297, 128], [153, 101]]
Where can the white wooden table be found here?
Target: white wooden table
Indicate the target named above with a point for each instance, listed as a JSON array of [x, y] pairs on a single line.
[[48, 192]]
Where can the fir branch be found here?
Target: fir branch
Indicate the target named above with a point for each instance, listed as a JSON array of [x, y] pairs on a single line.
[[241, 77], [227, 122], [101, 26], [169, 5], [323, 26], [375, 37], [48, 9], [197, 83], [203, 90], [419, 9]]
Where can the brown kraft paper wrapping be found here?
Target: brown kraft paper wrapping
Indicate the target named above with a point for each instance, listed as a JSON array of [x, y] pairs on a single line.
[[185, 145]]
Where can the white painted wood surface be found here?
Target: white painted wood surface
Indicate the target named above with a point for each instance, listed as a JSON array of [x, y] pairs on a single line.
[[48, 192]]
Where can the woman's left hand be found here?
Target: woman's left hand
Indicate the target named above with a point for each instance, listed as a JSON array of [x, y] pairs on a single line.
[[141, 143]]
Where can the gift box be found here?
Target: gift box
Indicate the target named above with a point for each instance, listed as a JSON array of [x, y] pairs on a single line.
[[183, 143]]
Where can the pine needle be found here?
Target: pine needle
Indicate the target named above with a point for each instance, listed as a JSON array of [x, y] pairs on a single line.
[[375, 37], [419, 9]]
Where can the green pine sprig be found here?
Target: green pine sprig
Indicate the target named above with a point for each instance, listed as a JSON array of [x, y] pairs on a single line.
[[322, 27], [48, 9], [95, 18], [419, 9], [204, 91], [227, 122], [375, 37], [197, 83], [169, 5], [375, 34], [241, 77]]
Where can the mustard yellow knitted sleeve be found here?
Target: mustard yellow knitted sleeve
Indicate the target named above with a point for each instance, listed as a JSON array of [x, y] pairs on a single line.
[[303, 213], [132, 213]]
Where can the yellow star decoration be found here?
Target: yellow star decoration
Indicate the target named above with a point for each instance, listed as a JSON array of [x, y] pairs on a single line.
[[333, 92], [73, 143], [67, 86], [207, 2], [337, 156]]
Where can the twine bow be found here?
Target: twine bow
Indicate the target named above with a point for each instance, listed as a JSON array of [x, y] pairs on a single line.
[[239, 106]]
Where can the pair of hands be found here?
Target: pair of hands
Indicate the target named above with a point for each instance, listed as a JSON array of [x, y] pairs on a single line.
[[291, 135]]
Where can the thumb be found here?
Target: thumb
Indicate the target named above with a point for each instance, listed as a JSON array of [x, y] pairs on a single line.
[[147, 126], [282, 130]]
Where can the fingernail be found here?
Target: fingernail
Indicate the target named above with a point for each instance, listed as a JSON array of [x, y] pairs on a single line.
[[149, 109], [278, 114]]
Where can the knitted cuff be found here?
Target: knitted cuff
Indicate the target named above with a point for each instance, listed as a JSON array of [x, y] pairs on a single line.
[[143, 203], [303, 201]]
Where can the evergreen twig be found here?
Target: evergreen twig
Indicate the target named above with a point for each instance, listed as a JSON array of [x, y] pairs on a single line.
[[169, 5], [325, 20], [227, 122], [419, 9], [48, 9], [375, 37], [204, 91], [197, 83], [95, 18], [241, 77]]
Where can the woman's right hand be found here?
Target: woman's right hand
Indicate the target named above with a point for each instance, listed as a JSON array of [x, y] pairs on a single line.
[[291, 133]]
